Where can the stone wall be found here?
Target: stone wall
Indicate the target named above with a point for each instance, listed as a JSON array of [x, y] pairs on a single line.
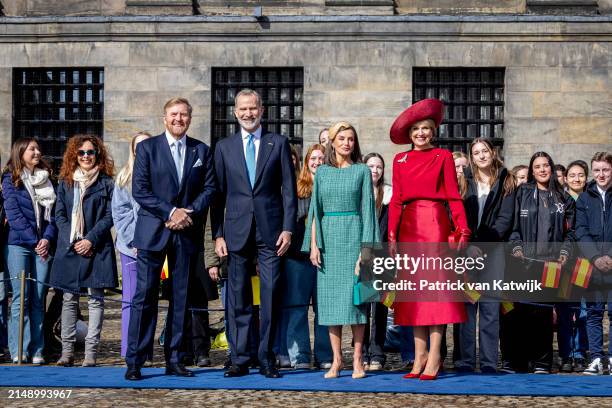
[[461, 6], [557, 96], [63, 7]]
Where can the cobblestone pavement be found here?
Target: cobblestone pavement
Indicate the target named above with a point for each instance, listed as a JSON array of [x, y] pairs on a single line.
[[109, 355]]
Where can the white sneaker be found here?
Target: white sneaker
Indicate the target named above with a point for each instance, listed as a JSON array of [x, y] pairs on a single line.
[[595, 368], [375, 366], [38, 360], [24, 359]]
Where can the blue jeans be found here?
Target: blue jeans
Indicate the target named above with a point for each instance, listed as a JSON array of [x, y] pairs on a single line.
[[299, 287], [400, 338], [19, 259], [595, 311], [3, 310], [571, 336], [488, 336]]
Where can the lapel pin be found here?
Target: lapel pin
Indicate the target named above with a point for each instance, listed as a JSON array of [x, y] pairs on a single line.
[[270, 144]]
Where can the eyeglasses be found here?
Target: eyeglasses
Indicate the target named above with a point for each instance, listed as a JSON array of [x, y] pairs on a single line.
[[91, 152]]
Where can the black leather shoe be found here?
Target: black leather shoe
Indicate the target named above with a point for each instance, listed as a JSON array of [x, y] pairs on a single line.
[[133, 373], [269, 372], [178, 370], [236, 371], [203, 361]]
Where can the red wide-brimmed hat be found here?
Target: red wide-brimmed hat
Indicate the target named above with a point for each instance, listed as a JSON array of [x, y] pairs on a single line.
[[426, 109]]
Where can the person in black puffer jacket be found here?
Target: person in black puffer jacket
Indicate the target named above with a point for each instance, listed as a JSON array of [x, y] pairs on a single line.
[[543, 229]]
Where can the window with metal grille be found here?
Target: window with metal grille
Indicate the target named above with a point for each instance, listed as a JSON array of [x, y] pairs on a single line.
[[53, 104], [281, 90], [474, 99]]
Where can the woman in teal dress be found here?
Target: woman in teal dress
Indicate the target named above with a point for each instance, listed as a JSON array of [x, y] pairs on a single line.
[[342, 217]]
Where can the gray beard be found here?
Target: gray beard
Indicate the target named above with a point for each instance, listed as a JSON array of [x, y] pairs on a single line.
[[250, 125]]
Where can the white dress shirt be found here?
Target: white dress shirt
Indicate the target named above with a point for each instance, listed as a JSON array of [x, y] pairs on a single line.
[[603, 193], [256, 139]]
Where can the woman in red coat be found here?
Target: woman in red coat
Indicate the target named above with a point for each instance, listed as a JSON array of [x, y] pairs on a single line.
[[424, 180]]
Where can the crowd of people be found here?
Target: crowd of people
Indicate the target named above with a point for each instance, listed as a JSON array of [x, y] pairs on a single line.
[[299, 227]]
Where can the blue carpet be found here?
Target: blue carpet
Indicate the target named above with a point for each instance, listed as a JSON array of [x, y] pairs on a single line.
[[449, 383]]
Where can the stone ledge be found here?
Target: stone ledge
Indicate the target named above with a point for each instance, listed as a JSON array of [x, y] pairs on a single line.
[[305, 28]]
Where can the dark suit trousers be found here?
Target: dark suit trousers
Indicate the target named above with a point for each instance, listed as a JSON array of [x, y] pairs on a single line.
[[197, 330], [141, 332], [240, 299]]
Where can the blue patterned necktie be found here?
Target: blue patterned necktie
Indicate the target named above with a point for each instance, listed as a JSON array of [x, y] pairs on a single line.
[[250, 159], [176, 155]]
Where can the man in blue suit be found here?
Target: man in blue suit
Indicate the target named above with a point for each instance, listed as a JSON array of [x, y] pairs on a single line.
[[173, 182], [253, 220]]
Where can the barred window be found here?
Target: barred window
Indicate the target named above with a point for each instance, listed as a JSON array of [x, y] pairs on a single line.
[[474, 99], [281, 90], [53, 104]]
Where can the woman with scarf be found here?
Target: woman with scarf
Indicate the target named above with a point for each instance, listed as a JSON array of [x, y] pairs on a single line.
[[85, 256], [29, 198]]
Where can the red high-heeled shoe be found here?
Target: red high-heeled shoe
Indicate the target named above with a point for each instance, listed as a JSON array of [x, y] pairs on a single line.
[[417, 375], [427, 377]]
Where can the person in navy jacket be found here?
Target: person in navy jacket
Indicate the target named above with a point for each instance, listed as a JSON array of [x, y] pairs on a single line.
[[594, 234], [173, 181], [29, 199], [85, 256]]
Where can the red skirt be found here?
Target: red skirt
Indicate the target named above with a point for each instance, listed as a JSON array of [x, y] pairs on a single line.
[[426, 221]]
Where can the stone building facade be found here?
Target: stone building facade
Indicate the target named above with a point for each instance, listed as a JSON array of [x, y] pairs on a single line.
[[359, 61]]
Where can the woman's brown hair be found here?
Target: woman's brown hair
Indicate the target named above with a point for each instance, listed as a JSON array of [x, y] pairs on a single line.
[[70, 162], [15, 164], [380, 184], [496, 166], [461, 180], [305, 179], [330, 154]]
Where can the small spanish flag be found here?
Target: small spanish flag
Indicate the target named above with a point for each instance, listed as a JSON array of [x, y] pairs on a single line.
[[551, 274], [565, 286], [582, 273], [507, 307], [473, 295], [165, 273], [388, 299]]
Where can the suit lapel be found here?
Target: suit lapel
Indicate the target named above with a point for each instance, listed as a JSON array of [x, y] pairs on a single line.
[[190, 156], [238, 158], [167, 157], [265, 148]]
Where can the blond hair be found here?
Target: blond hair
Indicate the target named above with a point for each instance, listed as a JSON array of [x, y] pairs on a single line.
[[124, 178]]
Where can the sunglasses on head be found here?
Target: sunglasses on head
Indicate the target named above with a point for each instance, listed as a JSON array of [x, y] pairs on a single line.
[[90, 152]]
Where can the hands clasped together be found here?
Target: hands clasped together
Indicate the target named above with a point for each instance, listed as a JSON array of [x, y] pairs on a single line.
[[179, 219]]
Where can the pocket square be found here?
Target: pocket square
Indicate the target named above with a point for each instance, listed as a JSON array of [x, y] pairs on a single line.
[[198, 163]]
